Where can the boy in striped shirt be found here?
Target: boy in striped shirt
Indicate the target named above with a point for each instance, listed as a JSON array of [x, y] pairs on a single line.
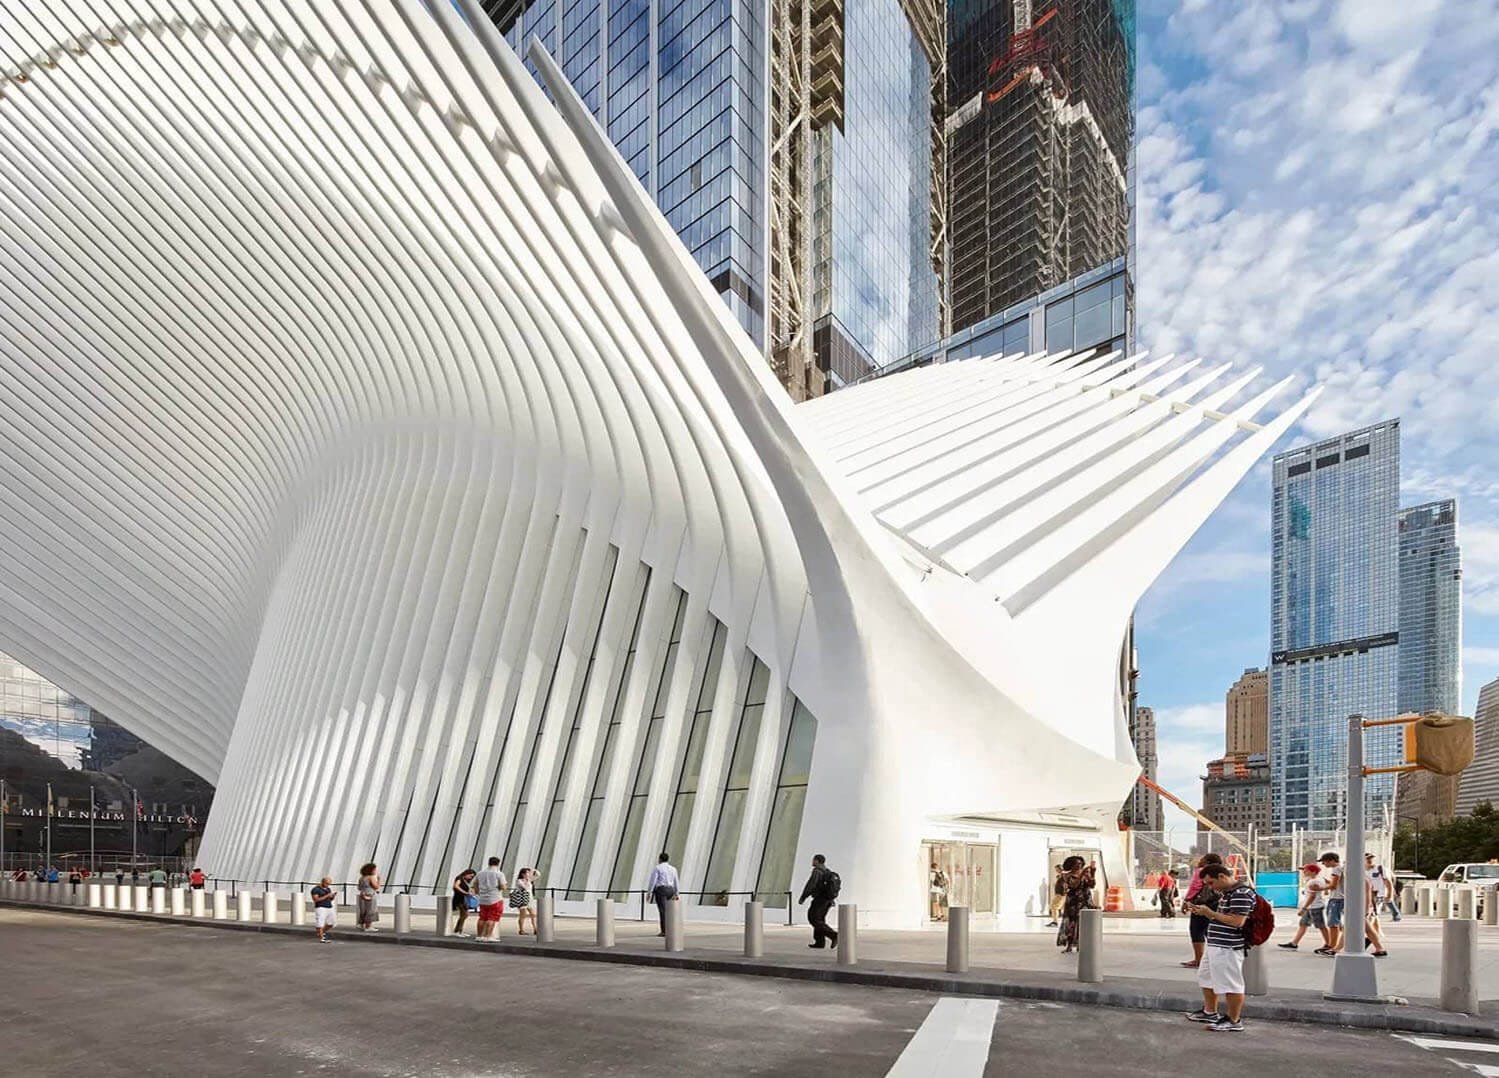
[[1221, 975]]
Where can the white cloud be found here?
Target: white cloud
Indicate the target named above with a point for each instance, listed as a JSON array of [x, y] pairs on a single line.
[[1187, 737]]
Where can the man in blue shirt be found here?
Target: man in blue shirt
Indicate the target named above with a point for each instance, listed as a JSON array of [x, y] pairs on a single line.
[[1221, 974], [324, 913]]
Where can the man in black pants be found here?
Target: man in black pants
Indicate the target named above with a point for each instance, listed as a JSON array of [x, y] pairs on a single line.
[[822, 888]]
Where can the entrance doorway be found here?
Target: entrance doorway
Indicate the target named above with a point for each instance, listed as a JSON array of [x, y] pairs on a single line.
[[959, 874]]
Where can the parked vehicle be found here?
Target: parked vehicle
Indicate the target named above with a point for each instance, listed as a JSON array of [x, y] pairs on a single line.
[[1479, 872]]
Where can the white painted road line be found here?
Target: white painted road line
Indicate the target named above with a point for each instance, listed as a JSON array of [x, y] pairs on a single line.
[[953, 1041], [1441, 1044]]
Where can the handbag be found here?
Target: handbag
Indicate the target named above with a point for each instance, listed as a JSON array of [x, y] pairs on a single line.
[[470, 902]]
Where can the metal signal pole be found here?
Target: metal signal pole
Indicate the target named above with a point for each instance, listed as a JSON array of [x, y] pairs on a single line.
[[93, 866]]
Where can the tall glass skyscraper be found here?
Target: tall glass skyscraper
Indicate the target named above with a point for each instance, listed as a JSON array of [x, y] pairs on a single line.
[[1431, 623], [1335, 621], [799, 173]]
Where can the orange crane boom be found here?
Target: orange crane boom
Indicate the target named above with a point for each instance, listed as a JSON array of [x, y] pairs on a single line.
[[1190, 811]]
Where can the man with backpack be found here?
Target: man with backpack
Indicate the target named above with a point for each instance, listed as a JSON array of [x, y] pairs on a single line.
[[822, 888], [1238, 923]]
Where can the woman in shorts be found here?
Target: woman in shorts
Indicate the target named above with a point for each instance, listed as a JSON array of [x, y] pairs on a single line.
[[522, 900]]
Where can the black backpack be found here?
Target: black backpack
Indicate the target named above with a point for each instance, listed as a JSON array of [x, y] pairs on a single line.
[[831, 885]]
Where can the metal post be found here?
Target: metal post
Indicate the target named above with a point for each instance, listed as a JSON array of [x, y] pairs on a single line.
[[1491, 905], [957, 939], [1460, 967], [1353, 975], [754, 930], [546, 931], [179, 903], [270, 903], [675, 936], [4, 808], [47, 861], [1256, 972], [1090, 946], [135, 819], [403, 915], [848, 935], [93, 868], [604, 929], [221, 905]]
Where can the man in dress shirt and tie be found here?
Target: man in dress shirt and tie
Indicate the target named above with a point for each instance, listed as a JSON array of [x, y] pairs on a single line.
[[663, 887]]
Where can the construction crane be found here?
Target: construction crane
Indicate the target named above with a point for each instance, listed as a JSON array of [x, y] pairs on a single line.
[[1190, 811]]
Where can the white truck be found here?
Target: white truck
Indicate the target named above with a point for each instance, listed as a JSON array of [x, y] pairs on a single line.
[[1483, 874]]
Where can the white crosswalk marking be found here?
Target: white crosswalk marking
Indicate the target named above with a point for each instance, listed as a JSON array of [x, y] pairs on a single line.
[[953, 1041], [1444, 1046]]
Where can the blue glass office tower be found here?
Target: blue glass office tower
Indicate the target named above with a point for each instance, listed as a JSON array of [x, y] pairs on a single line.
[[1335, 622], [1431, 625], [791, 148]]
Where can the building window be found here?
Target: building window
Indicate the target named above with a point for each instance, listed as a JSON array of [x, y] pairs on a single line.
[[777, 862]]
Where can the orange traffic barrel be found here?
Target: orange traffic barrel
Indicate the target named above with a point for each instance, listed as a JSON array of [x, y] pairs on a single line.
[[1113, 900]]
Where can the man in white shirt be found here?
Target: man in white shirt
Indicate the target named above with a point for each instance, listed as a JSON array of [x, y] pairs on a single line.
[[663, 887], [490, 885]]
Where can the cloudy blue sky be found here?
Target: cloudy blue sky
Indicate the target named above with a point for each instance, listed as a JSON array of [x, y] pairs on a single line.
[[1319, 193]]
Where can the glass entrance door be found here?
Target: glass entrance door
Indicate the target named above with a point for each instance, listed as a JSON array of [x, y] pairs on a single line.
[[958, 874]]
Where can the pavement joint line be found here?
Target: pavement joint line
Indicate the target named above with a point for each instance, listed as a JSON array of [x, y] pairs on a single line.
[[1308, 1008]]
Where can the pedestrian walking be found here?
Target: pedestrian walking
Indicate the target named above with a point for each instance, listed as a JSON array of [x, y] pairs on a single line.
[[1058, 896], [1078, 880], [1221, 973], [369, 890], [663, 887], [1311, 910], [1384, 887], [465, 900], [488, 888], [1376, 894], [196, 879], [1199, 892], [1332, 875], [324, 913], [823, 887], [119, 877], [1165, 894], [938, 890], [522, 898]]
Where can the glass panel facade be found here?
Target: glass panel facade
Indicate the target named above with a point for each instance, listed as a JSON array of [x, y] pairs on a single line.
[[1430, 609], [697, 739], [725, 845], [777, 862]]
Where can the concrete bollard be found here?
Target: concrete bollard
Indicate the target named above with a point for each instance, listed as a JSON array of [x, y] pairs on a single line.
[[159, 901], [142, 898], [848, 935], [195, 902], [221, 905], [754, 930], [107, 896], [957, 939], [1491, 905], [1090, 946], [1443, 903], [297, 907], [1465, 904], [80, 896], [1460, 967], [546, 929], [603, 932], [270, 907], [675, 937], [95, 896], [1426, 900], [1256, 972], [244, 907], [403, 915], [179, 902], [1407, 903]]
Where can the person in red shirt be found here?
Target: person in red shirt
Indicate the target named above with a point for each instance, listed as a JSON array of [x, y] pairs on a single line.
[[196, 879]]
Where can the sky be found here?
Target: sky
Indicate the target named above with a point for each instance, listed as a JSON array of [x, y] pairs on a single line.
[[1318, 194]]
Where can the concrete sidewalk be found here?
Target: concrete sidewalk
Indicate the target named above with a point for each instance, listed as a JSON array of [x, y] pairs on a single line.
[[1005, 965]]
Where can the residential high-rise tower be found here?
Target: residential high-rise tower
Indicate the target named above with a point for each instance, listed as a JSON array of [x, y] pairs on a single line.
[[1335, 621], [1144, 806], [1247, 714], [1430, 609], [1480, 781]]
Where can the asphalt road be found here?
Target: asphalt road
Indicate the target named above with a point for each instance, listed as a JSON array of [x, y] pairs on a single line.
[[115, 997]]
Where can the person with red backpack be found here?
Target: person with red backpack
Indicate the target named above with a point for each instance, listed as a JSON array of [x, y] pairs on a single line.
[[1241, 919]]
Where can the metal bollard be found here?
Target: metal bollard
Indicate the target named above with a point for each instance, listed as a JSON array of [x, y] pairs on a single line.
[[107, 893], [1465, 904], [297, 907], [179, 902], [1426, 900], [195, 902], [142, 898], [1491, 905], [1256, 972], [1407, 903], [848, 935], [957, 939], [95, 896], [221, 905], [403, 915], [1460, 967], [754, 929], [1090, 946], [674, 932], [1443, 903], [442, 921], [270, 906], [245, 910], [80, 896], [546, 930], [604, 929], [159, 901]]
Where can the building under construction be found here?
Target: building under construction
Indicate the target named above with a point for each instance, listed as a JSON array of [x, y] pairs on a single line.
[[796, 146], [1039, 131]]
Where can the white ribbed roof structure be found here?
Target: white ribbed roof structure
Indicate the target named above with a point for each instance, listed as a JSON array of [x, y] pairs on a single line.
[[371, 445]]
